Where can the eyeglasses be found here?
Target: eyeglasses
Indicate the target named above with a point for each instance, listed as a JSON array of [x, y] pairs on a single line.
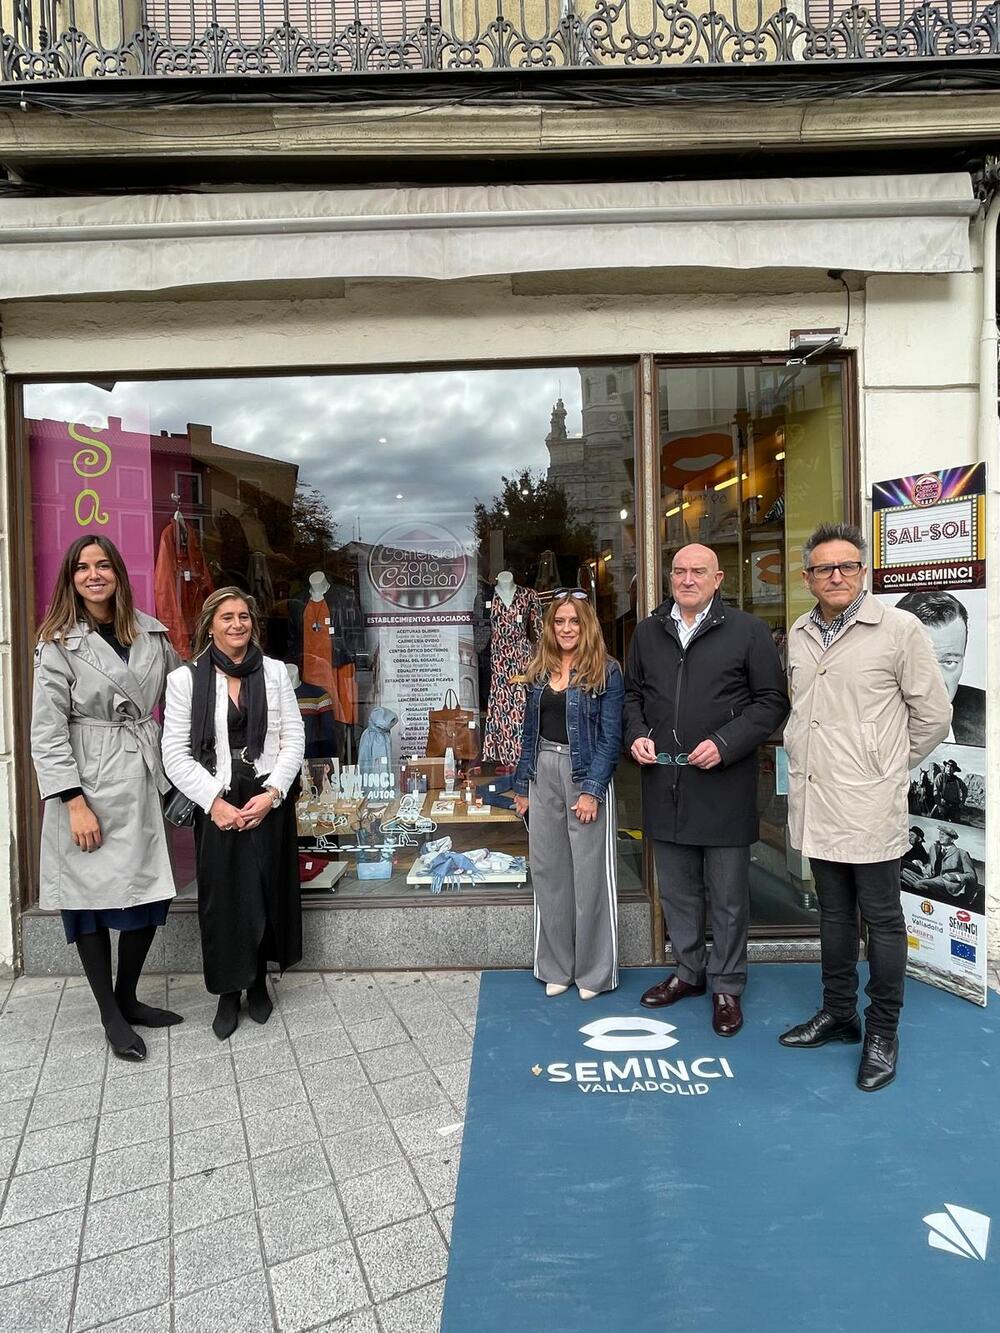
[[576, 593], [846, 568], [679, 759]]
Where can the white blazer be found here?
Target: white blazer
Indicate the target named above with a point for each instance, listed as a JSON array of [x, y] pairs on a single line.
[[284, 743]]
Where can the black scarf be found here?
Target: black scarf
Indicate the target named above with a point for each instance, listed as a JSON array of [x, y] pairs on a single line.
[[251, 672]]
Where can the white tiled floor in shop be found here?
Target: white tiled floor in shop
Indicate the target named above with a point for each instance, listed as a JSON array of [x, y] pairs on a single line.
[[299, 1177]]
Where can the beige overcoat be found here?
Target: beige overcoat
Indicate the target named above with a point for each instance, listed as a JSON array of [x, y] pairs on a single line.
[[92, 727], [864, 712]]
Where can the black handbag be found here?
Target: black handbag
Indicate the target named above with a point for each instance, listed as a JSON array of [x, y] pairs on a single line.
[[178, 809]]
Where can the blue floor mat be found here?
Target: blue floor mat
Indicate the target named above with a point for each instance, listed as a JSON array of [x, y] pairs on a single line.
[[737, 1185]]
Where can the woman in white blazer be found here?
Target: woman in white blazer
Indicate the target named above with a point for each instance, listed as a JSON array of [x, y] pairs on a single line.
[[233, 742]]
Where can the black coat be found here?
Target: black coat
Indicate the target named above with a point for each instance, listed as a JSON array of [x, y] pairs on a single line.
[[727, 686]]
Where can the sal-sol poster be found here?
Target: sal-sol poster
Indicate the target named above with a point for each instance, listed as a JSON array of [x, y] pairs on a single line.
[[929, 559]]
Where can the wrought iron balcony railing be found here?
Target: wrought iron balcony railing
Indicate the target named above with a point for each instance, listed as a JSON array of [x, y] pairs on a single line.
[[44, 40]]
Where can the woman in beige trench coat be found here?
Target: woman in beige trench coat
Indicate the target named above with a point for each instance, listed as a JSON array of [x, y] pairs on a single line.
[[100, 671]]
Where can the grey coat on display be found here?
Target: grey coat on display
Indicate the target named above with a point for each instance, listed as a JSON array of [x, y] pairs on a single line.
[[92, 727]]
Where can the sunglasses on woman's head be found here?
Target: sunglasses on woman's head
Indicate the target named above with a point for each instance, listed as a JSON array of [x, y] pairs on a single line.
[[578, 593]]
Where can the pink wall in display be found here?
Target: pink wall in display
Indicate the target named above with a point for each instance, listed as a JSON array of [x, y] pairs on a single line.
[[90, 480]]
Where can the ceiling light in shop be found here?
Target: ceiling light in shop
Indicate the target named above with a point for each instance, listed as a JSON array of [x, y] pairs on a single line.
[[623, 515], [382, 440], [778, 457], [732, 481], [398, 496], [677, 509]]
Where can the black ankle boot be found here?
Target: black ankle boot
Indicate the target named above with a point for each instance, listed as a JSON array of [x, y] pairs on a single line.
[[259, 1004], [227, 1016]]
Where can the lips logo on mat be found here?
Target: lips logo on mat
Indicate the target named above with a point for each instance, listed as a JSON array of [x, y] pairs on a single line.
[[649, 1034], [959, 1231]]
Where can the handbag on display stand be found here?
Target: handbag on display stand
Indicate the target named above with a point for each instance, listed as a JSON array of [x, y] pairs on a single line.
[[452, 727]]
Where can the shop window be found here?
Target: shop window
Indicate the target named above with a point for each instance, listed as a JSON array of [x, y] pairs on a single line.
[[751, 460], [402, 535]]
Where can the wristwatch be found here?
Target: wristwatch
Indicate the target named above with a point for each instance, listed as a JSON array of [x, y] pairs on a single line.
[[275, 796]]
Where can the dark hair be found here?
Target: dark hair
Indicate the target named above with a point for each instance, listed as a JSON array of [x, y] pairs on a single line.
[[934, 608], [835, 532], [66, 608]]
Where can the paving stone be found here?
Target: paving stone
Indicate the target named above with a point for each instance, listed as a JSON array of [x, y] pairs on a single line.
[[297, 1226], [317, 1287], [137, 1124], [128, 1169], [118, 1284], [36, 986], [371, 1035], [414, 1312], [283, 1128], [121, 1094], [419, 1132], [271, 1092], [290, 999], [62, 1143], [89, 1040], [209, 1196], [413, 1092], [216, 1253], [444, 1218], [143, 1215], [444, 1048], [382, 1197], [200, 1110], [191, 1043], [201, 1149], [21, 1055], [465, 1012], [62, 1108], [362, 1321], [454, 985], [399, 1257], [393, 1062], [282, 1175], [40, 1246], [318, 1047], [17, 1084], [61, 1073], [39, 1306], [335, 1076], [250, 1035], [145, 1321], [241, 1306], [258, 1061], [348, 1110], [317, 1018], [359, 1151], [214, 1071], [8, 1153], [51, 1190], [13, 1117], [438, 1174], [454, 1078]]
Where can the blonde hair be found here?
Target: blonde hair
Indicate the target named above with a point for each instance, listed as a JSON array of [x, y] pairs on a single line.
[[590, 670], [66, 608], [203, 630]]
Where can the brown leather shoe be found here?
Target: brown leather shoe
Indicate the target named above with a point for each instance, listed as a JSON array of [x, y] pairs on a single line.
[[727, 1015], [669, 992]]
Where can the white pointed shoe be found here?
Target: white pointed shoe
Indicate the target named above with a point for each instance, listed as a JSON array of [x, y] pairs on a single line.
[[553, 988], [586, 994]]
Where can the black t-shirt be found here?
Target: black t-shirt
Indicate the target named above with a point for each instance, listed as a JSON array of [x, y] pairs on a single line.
[[552, 716]]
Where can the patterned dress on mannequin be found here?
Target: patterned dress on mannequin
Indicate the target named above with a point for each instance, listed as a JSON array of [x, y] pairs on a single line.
[[512, 650]]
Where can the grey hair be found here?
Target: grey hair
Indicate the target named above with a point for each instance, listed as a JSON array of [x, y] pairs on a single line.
[[835, 532]]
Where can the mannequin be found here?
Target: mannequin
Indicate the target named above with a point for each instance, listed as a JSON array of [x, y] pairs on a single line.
[[320, 627], [515, 619]]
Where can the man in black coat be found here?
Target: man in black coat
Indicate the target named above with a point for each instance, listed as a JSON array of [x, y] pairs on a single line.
[[704, 687]]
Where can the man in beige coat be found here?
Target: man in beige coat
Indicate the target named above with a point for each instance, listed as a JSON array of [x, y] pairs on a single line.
[[868, 704]]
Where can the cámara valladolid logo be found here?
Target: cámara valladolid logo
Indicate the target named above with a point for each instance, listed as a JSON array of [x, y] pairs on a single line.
[[635, 1068]]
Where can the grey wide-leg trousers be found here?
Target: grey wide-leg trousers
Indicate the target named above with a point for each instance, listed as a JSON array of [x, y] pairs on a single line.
[[685, 875], [575, 879]]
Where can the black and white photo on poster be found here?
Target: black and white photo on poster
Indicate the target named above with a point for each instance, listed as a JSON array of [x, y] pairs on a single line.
[[956, 622], [946, 863], [950, 784]]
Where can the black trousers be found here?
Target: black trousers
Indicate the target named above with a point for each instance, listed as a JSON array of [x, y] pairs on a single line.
[[872, 890]]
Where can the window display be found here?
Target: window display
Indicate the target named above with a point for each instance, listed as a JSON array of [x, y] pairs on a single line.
[[401, 535]]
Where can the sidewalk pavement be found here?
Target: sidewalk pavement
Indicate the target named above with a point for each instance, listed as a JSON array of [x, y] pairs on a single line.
[[299, 1177]]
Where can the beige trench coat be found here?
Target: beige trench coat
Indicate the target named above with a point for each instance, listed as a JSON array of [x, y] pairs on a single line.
[[864, 712], [91, 727]]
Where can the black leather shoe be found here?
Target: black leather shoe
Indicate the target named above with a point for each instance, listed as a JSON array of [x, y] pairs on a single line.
[[821, 1028], [727, 1015], [878, 1062], [135, 1052], [669, 992]]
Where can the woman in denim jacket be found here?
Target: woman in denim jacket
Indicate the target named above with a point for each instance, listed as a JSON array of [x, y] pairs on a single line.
[[570, 744]]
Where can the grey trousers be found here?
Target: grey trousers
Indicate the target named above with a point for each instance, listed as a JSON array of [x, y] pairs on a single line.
[[685, 875], [575, 878]]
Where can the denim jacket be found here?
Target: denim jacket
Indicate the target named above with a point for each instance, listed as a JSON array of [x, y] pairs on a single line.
[[594, 727]]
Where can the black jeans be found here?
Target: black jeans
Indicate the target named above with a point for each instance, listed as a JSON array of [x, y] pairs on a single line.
[[873, 889]]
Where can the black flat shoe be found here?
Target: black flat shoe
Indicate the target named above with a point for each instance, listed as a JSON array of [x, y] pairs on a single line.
[[227, 1016], [878, 1062], [135, 1052], [821, 1028]]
